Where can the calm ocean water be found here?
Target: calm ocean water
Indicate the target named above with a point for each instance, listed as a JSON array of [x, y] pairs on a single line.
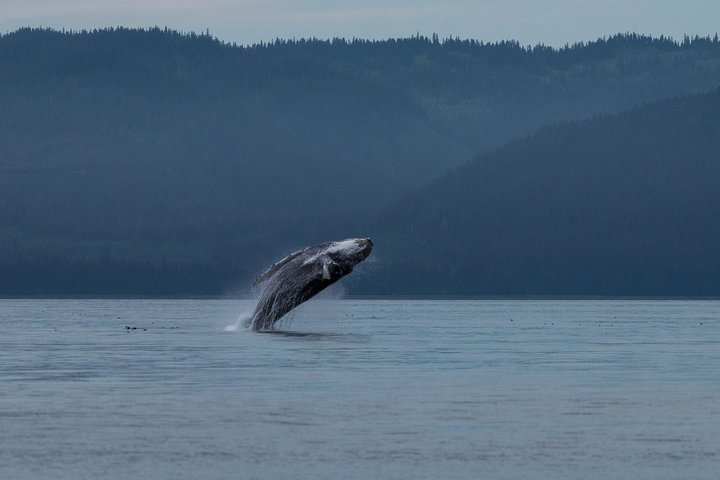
[[371, 389]]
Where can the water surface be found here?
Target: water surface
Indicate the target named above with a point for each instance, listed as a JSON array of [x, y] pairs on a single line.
[[360, 389]]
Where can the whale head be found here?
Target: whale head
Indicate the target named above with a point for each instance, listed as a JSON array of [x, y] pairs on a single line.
[[352, 249], [339, 258]]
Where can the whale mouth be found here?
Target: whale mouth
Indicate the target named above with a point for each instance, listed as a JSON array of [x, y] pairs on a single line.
[[365, 245]]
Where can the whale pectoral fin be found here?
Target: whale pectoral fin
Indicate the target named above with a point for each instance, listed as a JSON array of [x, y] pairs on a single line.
[[329, 267]]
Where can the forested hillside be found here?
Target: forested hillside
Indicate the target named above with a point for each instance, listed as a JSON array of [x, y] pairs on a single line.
[[136, 161], [617, 205]]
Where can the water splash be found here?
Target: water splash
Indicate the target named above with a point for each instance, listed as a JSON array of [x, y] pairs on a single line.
[[243, 322]]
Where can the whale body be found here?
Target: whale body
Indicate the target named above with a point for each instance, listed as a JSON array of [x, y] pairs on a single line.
[[302, 275]]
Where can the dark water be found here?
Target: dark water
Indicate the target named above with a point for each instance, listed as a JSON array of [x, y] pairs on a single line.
[[362, 389]]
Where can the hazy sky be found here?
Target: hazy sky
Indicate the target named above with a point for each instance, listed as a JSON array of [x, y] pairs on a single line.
[[552, 22]]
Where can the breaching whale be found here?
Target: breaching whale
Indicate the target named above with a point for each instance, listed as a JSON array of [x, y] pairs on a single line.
[[302, 275]]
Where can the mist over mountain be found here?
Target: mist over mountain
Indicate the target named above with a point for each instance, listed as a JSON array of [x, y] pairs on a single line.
[[148, 161], [623, 204]]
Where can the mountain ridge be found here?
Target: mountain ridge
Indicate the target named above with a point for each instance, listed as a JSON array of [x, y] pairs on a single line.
[[153, 151]]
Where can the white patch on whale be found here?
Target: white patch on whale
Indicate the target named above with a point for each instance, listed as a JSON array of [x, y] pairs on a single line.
[[345, 246]]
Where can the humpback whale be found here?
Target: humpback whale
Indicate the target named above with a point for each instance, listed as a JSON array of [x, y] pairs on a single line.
[[302, 275]]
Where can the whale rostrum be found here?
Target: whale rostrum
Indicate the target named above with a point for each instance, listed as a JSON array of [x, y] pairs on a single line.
[[302, 275]]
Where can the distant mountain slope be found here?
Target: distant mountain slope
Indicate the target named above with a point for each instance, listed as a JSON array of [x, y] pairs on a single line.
[[617, 205], [153, 146], [483, 95], [153, 151]]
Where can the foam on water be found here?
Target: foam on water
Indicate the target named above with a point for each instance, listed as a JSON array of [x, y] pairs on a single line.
[[243, 321]]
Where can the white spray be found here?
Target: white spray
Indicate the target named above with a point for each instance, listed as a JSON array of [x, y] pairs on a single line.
[[243, 321]]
